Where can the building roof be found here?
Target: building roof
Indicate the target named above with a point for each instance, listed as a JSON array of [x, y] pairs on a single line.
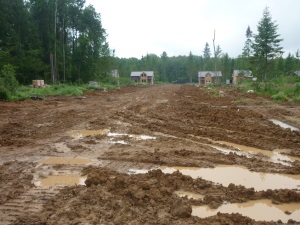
[[213, 73], [138, 73], [297, 72], [245, 73]]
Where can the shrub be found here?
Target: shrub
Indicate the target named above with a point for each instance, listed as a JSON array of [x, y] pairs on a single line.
[[280, 97], [4, 93], [8, 79]]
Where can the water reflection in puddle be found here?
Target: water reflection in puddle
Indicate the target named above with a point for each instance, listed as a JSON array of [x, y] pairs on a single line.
[[284, 125], [78, 134], [137, 171], [64, 180], [135, 136], [275, 156], [261, 210], [118, 142], [61, 160], [240, 176], [142, 137], [189, 195]]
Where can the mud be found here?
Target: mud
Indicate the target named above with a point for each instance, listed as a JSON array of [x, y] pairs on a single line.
[[110, 137]]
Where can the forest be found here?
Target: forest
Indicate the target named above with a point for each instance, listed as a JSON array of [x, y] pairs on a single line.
[[63, 41]]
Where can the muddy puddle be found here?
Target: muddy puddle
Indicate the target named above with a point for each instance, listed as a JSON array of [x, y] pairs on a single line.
[[137, 171], [61, 180], [260, 210], [79, 134], [276, 156], [134, 136], [284, 125], [240, 176], [62, 160], [189, 195]]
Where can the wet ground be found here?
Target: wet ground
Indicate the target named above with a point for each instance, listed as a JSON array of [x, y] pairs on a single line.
[[163, 154]]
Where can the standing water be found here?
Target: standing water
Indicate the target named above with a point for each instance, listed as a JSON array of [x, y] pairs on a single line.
[[240, 176], [261, 210]]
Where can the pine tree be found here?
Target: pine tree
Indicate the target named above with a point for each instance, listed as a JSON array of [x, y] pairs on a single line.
[[206, 51], [247, 50], [206, 57], [266, 44]]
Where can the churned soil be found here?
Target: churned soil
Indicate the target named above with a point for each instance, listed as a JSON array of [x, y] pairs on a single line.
[[180, 124]]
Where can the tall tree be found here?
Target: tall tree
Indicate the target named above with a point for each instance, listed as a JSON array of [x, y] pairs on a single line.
[[266, 44], [247, 50], [164, 58], [206, 57], [206, 51], [191, 67], [289, 66]]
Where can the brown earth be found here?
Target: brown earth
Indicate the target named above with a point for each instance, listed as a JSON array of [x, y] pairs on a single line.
[[185, 120]]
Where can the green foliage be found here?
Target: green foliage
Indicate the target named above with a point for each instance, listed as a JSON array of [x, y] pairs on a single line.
[[4, 93], [8, 79], [56, 90], [28, 37], [266, 44], [280, 97], [125, 81], [284, 88], [8, 82]]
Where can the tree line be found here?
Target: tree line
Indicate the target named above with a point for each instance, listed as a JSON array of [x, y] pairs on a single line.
[[54, 40], [262, 54], [64, 41]]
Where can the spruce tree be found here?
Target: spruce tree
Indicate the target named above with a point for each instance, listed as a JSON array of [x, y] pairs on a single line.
[[266, 44]]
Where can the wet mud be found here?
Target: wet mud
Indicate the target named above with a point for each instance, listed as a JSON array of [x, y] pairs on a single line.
[[100, 159]]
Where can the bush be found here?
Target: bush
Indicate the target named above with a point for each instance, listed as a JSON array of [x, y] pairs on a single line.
[[8, 79], [280, 97], [4, 93]]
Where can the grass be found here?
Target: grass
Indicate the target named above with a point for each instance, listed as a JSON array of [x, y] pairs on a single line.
[[26, 92], [285, 88]]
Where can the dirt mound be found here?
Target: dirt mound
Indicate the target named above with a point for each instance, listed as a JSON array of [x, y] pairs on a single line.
[[114, 198]]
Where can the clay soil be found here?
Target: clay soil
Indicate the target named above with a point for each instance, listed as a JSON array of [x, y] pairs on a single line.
[[184, 119]]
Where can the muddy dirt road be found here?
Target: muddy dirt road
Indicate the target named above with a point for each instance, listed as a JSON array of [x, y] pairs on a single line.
[[162, 154]]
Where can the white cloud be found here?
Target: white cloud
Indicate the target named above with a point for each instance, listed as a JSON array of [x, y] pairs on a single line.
[[138, 27]]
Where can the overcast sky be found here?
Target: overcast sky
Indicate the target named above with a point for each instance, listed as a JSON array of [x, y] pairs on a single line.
[[138, 27]]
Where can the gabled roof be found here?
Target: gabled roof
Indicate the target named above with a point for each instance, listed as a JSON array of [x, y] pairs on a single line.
[[138, 73], [245, 73], [297, 72], [212, 73]]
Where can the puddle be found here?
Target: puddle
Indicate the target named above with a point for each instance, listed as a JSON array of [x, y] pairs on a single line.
[[118, 142], [284, 125], [142, 137], [61, 160], [116, 134], [65, 180], [274, 156], [240, 176], [225, 150], [78, 134], [137, 171], [260, 210], [135, 136], [189, 195]]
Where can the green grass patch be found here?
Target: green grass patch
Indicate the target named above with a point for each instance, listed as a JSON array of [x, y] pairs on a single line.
[[280, 89]]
